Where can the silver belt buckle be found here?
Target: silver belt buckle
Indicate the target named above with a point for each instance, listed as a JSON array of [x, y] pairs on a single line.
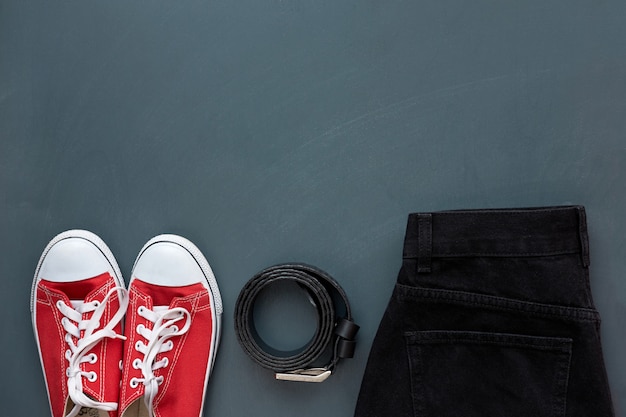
[[305, 375]]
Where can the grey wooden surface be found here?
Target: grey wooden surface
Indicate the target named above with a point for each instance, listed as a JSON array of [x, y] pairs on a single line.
[[284, 130]]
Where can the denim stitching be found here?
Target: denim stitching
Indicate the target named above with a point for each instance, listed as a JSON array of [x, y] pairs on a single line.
[[414, 356], [561, 384], [506, 254], [497, 303], [560, 346], [484, 338]]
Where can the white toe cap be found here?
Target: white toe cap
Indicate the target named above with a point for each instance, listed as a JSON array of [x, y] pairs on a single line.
[[168, 264], [74, 259]]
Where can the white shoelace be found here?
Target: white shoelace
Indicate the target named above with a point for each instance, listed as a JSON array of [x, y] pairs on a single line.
[[73, 324], [164, 328]]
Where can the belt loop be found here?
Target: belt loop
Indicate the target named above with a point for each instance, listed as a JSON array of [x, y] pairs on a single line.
[[409, 250], [583, 236], [425, 238]]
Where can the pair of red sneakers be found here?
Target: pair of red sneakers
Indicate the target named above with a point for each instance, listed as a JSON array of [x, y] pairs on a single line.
[[159, 362]]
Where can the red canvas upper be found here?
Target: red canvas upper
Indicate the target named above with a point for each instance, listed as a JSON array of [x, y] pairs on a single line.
[[182, 391], [51, 338]]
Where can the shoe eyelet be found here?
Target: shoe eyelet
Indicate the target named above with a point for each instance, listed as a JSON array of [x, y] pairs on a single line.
[[170, 344], [166, 362], [68, 338], [93, 358], [60, 304], [141, 310], [121, 365], [175, 328], [138, 346], [137, 363], [92, 376], [96, 303], [133, 383], [140, 328]]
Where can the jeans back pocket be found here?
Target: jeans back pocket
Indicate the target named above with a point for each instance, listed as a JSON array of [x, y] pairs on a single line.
[[478, 374]]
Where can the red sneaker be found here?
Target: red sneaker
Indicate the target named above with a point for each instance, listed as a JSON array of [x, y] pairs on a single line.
[[173, 330], [78, 301]]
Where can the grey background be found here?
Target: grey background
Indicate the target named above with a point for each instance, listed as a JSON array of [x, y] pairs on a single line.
[[279, 130]]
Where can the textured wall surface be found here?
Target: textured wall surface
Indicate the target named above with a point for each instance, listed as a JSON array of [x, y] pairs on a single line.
[[284, 130]]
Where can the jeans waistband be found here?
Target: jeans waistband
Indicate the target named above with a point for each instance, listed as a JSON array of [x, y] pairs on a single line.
[[541, 231]]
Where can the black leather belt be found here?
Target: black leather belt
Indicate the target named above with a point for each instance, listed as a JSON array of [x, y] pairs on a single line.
[[334, 335]]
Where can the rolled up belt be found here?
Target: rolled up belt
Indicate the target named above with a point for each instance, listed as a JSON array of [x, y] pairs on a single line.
[[336, 333]]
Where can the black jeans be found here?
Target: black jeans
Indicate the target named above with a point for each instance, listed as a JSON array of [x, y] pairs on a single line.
[[491, 316]]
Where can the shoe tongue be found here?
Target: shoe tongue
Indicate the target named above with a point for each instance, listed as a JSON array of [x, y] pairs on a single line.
[[160, 309], [164, 296], [78, 290]]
